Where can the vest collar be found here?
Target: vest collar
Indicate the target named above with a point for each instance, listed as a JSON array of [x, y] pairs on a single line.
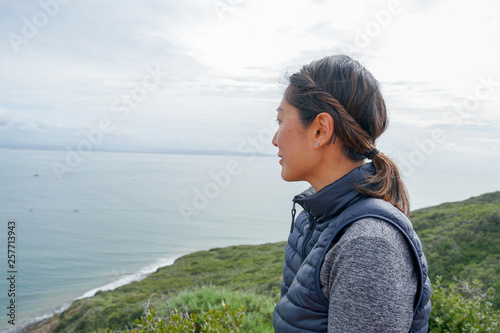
[[334, 198]]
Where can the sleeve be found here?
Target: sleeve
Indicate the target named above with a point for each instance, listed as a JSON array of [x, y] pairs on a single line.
[[369, 288]]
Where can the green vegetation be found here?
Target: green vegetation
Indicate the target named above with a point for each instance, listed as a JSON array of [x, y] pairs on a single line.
[[464, 308], [258, 309], [254, 269], [462, 240], [215, 321], [209, 309], [234, 289]]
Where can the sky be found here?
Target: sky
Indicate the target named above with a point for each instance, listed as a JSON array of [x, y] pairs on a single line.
[[207, 75]]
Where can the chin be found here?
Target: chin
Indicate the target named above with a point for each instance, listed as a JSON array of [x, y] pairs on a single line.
[[284, 176], [287, 177]]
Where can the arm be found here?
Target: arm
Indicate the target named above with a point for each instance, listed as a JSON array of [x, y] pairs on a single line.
[[370, 282]]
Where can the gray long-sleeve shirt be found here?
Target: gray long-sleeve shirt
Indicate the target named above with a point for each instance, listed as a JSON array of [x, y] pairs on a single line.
[[370, 280]]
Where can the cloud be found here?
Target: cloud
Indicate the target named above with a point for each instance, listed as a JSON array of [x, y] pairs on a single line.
[[226, 62], [8, 120]]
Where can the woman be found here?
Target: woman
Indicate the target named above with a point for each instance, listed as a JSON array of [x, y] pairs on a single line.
[[353, 262]]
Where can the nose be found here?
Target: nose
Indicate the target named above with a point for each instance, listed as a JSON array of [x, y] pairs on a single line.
[[275, 142]]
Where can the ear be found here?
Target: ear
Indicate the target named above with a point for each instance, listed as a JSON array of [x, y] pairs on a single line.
[[323, 129]]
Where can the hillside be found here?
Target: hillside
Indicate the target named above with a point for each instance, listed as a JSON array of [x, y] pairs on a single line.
[[461, 240], [245, 267]]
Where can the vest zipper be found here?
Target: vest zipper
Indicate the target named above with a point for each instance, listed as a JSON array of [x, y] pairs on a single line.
[[293, 217], [308, 236]]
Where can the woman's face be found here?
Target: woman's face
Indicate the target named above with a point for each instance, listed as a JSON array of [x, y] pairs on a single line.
[[294, 144]]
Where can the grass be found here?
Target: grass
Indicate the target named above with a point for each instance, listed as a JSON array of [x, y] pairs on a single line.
[[245, 268]]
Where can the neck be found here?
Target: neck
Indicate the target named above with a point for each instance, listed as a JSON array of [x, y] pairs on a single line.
[[331, 171]]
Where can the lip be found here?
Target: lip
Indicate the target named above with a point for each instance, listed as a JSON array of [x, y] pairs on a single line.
[[281, 159]]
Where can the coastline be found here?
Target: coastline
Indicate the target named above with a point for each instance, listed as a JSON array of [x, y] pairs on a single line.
[[258, 268], [44, 323]]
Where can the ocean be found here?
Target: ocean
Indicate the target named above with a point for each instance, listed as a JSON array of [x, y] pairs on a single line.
[[113, 218], [117, 217]]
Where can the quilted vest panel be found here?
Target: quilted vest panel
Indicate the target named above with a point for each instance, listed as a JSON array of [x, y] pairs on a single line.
[[303, 307]]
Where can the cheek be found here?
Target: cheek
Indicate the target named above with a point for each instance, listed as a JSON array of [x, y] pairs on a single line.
[[287, 141]]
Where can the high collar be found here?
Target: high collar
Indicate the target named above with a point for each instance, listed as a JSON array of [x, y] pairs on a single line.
[[334, 198]]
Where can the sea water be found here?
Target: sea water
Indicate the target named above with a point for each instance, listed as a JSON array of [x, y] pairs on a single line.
[[112, 218], [117, 217]]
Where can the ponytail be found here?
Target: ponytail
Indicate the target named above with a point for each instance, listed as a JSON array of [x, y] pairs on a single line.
[[386, 184], [344, 89]]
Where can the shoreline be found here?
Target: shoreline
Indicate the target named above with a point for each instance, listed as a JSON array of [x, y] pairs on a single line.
[[47, 324], [44, 323]]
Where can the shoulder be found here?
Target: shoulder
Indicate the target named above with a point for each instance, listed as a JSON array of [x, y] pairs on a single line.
[[367, 246], [371, 234], [373, 228]]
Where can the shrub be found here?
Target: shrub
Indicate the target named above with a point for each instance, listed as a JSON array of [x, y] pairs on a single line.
[[464, 308], [206, 309], [227, 320]]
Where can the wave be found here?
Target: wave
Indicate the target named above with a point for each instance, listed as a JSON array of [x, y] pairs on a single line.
[[138, 276], [23, 324]]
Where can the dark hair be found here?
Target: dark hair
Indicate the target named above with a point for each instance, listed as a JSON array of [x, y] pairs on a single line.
[[344, 89]]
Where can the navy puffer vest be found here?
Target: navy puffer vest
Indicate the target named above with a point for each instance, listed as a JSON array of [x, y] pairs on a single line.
[[303, 307]]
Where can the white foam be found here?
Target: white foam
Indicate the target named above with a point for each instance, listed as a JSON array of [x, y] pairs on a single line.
[[37, 319], [141, 274]]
